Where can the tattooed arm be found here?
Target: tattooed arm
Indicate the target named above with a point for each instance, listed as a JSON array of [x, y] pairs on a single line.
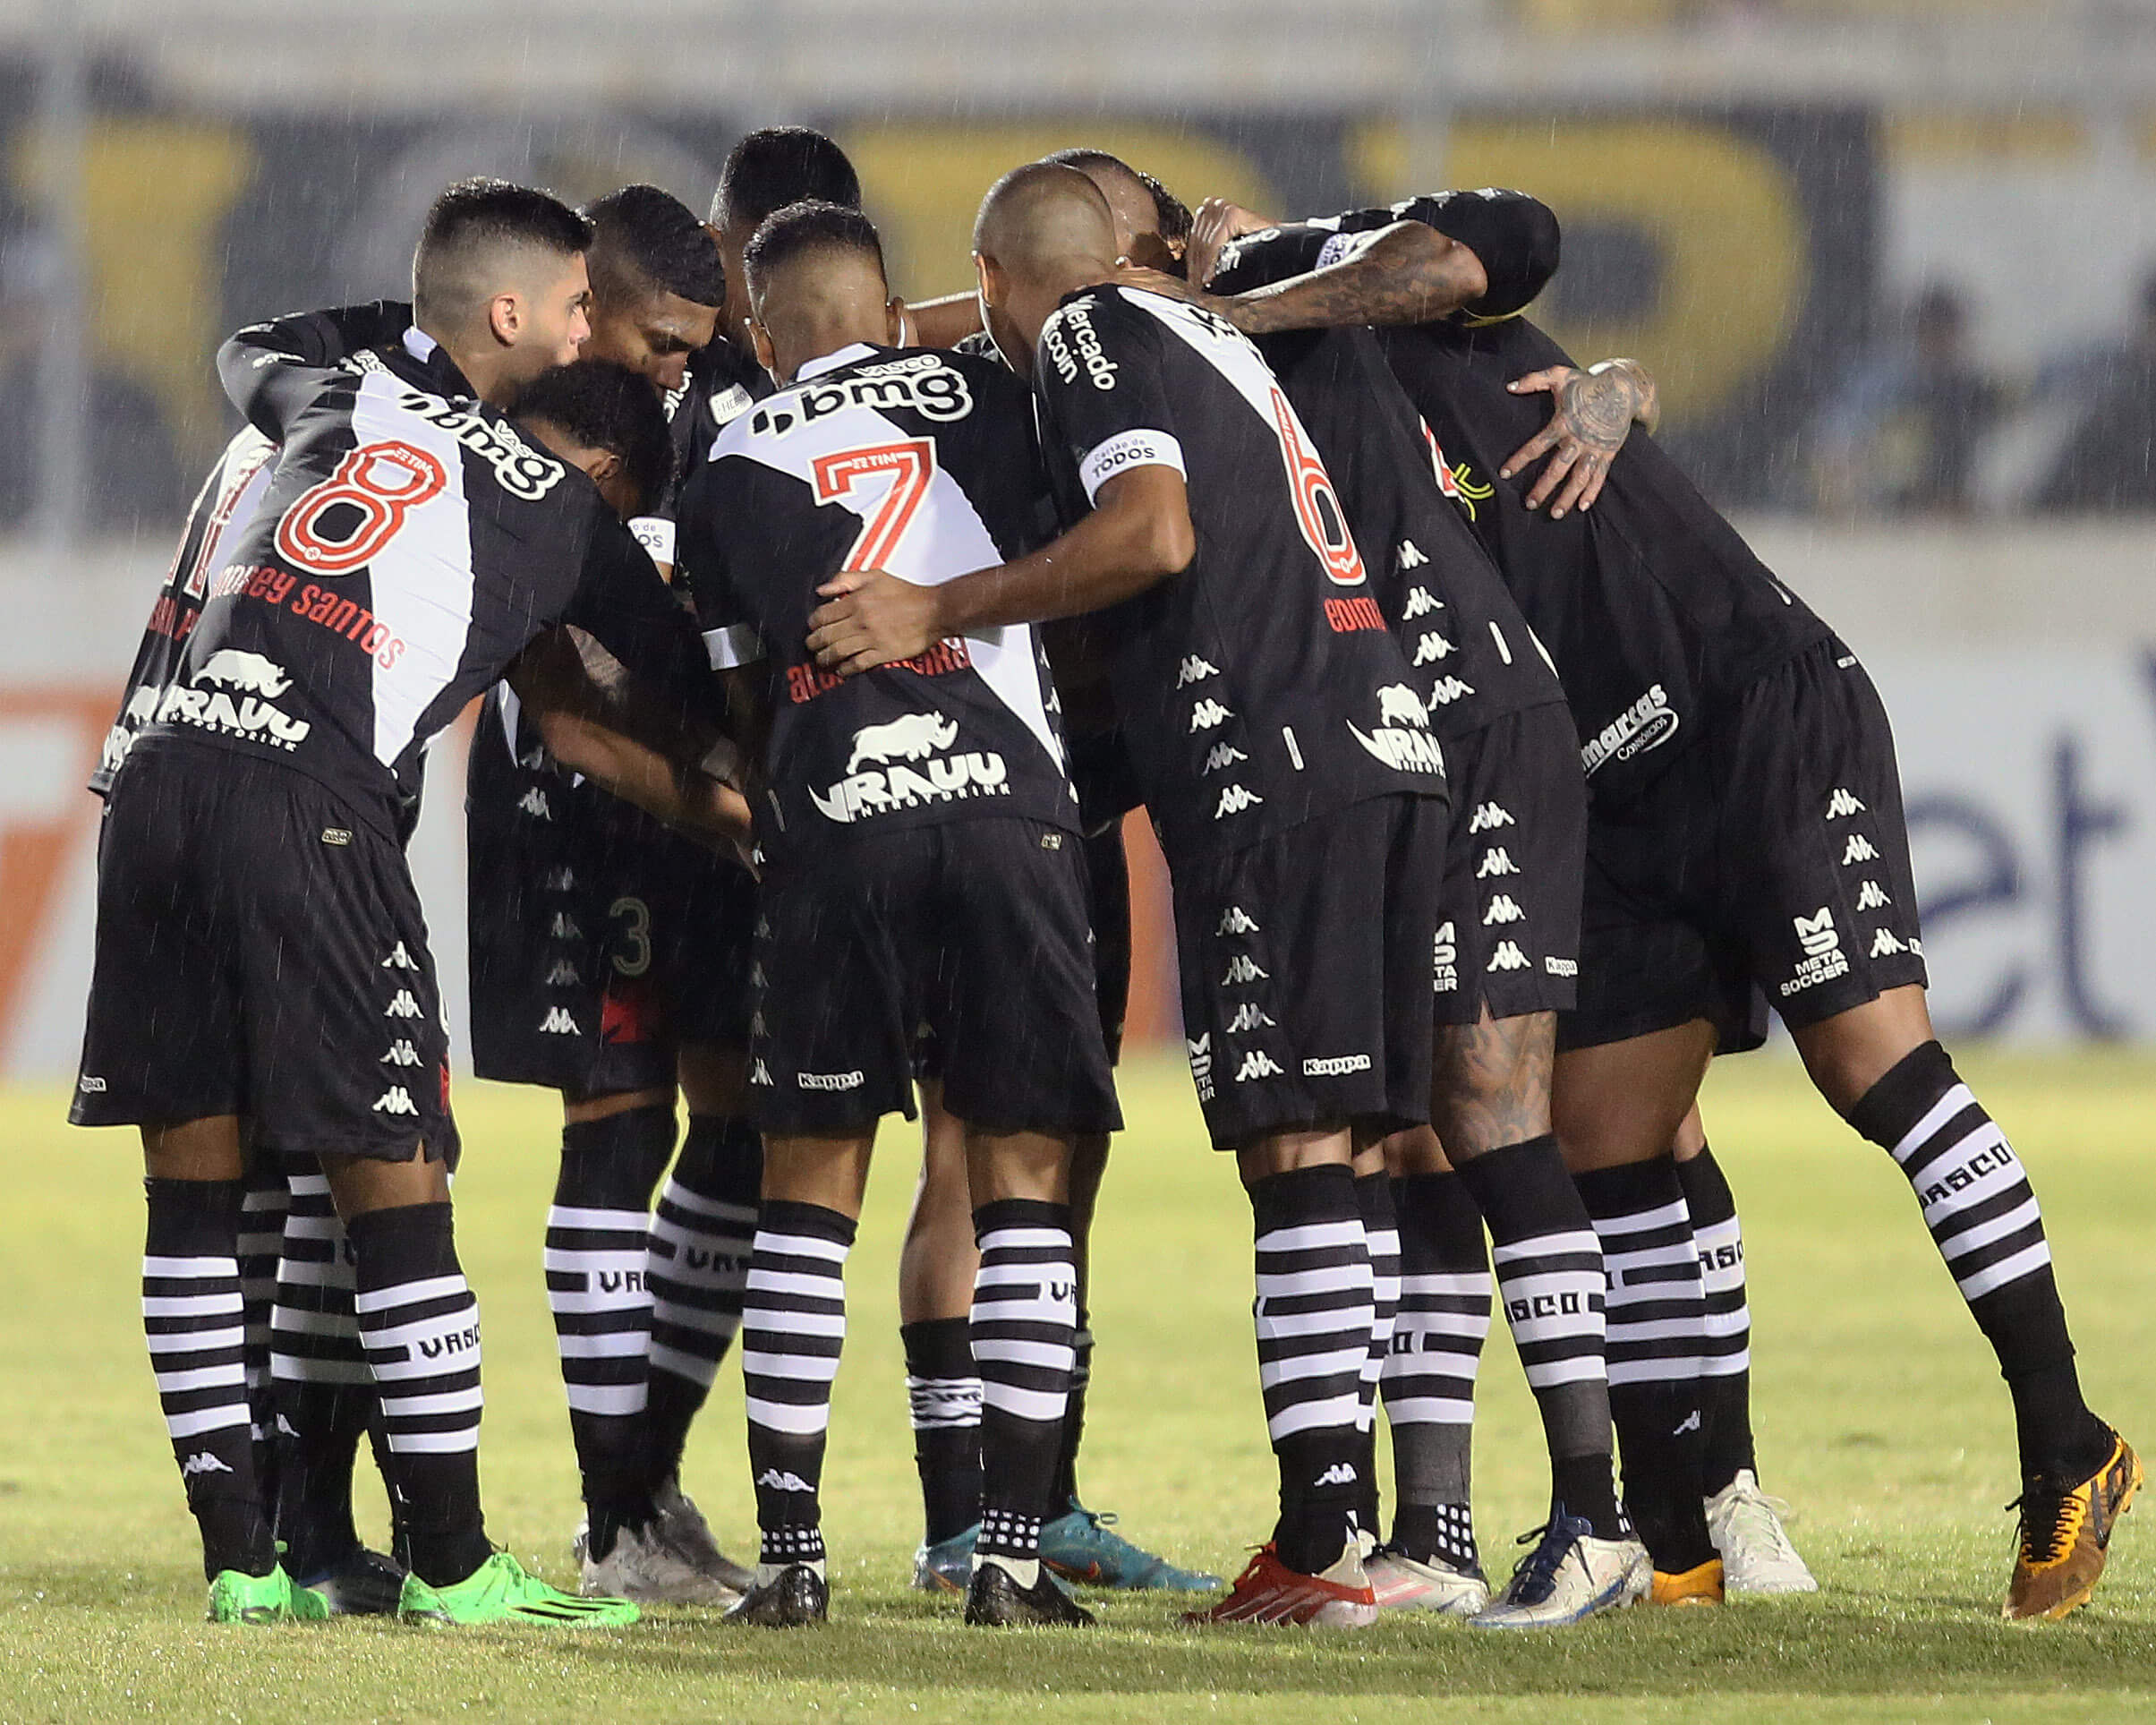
[[1407, 273], [1593, 414]]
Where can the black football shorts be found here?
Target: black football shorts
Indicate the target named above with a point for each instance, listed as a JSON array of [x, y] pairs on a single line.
[[259, 952], [971, 931], [1772, 860], [1305, 963], [1508, 915], [1108, 874]]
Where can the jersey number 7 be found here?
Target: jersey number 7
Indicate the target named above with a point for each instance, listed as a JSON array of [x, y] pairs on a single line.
[[905, 469]]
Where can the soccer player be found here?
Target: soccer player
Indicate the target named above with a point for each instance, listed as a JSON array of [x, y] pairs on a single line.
[[258, 936], [922, 868], [1746, 837], [1286, 762]]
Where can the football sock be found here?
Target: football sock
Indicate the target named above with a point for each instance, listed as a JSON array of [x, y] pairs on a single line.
[[260, 1239], [1726, 1384], [1380, 1229], [701, 1240], [792, 1330], [1066, 1489], [943, 1389], [1549, 1274], [599, 1232], [420, 1325], [1657, 1317], [194, 1324], [1429, 1375], [325, 1393], [1983, 1218], [1025, 1314], [1313, 1313]]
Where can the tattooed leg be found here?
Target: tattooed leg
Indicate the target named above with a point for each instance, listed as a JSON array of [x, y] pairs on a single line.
[[1491, 1083]]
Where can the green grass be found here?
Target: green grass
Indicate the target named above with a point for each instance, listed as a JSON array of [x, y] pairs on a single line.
[[1880, 1414]]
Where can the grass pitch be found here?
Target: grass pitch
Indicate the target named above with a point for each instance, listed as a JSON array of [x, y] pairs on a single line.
[[1880, 1416]]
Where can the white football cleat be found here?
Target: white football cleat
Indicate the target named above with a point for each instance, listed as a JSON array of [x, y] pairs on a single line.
[[1569, 1576], [683, 1526], [1746, 1526], [1403, 1583], [646, 1568]]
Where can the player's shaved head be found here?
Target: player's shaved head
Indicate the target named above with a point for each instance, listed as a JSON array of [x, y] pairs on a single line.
[[1151, 222], [1044, 231], [816, 284]]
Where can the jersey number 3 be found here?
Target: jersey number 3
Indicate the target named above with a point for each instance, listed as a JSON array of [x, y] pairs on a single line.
[[344, 522], [905, 469]]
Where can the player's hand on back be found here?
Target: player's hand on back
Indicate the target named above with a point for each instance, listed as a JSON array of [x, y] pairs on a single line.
[[871, 618], [1592, 413], [1215, 224]]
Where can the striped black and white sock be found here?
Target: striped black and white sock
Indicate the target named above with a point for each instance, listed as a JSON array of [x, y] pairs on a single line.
[[943, 1394], [325, 1391], [420, 1325], [1065, 1495], [793, 1330], [1550, 1277], [1657, 1317], [701, 1238], [599, 1232], [193, 1321], [1983, 1218], [1726, 1383], [1314, 1310], [1024, 1315], [261, 1239], [1429, 1376], [1381, 1231]]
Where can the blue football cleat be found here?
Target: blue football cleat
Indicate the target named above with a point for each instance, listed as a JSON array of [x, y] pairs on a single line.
[[1083, 1547]]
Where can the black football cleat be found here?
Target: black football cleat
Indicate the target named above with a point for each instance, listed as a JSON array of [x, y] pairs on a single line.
[[361, 1584], [794, 1597], [996, 1600]]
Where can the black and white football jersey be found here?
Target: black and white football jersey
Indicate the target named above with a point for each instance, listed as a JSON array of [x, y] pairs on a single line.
[[223, 508], [1261, 687], [723, 383], [922, 463]]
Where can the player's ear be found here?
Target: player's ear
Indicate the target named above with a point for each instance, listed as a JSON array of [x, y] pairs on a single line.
[[988, 279], [896, 330], [506, 317], [767, 355]]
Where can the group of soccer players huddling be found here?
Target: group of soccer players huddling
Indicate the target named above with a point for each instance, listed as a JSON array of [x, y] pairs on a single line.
[[823, 644]]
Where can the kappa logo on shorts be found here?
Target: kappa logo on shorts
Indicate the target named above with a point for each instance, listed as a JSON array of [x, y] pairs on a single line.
[[1412, 555], [1842, 802], [1508, 957], [762, 1075], [1871, 896], [1421, 602], [1446, 955], [852, 1081], [1234, 799], [1222, 754], [339, 836], [401, 1053], [1335, 1065], [1646, 724], [564, 926], [1824, 959], [398, 960], [1208, 713], [90, 1085], [1248, 1017], [1194, 670], [1201, 1064], [1858, 850], [403, 1004], [1401, 740], [1236, 920], [395, 1100], [1432, 648], [1243, 969], [559, 880], [1257, 1065], [559, 1022], [533, 802], [1562, 966], [1489, 817], [1884, 945], [1495, 861], [564, 975], [1504, 908], [1447, 690]]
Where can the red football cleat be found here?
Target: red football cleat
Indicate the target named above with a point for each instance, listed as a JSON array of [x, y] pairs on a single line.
[[1269, 1592]]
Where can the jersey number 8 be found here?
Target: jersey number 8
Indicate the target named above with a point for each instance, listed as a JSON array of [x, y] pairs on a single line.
[[344, 522]]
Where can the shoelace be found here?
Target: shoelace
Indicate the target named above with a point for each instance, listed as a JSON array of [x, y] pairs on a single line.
[[2038, 1498], [1540, 1567], [1763, 1516]]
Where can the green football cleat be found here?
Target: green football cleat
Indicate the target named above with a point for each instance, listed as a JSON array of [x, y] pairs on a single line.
[[237, 1597], [1082, 1546], [499, 1591]]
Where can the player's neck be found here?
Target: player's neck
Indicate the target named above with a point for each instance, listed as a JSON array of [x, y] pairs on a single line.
[[819, 338], [483, 361]]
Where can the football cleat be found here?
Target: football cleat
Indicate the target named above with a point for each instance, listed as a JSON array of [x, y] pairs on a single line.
[[1081, 1545], [2065, 1535], [645, 1566], [1569, 1576], [947, 1566], [1269, 1592], [238, 1597], [793, 1599], [361, 1584], [500, 1591], [1405, 1583], [1699, 1585], [682, 1526], [994, 1600], [1746, 1526]]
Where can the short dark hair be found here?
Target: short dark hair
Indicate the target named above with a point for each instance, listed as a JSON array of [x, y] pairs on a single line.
[[777, 166], [810, 225], [1174, 216], [467, 229], [1171, 215], [607, 407], [641, 230]]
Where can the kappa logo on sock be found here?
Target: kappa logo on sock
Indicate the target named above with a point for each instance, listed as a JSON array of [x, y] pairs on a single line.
[[202, 1461], [773, 1479], [1339, 1473], [1691, 1422]]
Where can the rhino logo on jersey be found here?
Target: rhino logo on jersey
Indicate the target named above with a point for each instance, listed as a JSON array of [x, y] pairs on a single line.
[[230, 668], [911, 736], [142, 705], [1397, 704]]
